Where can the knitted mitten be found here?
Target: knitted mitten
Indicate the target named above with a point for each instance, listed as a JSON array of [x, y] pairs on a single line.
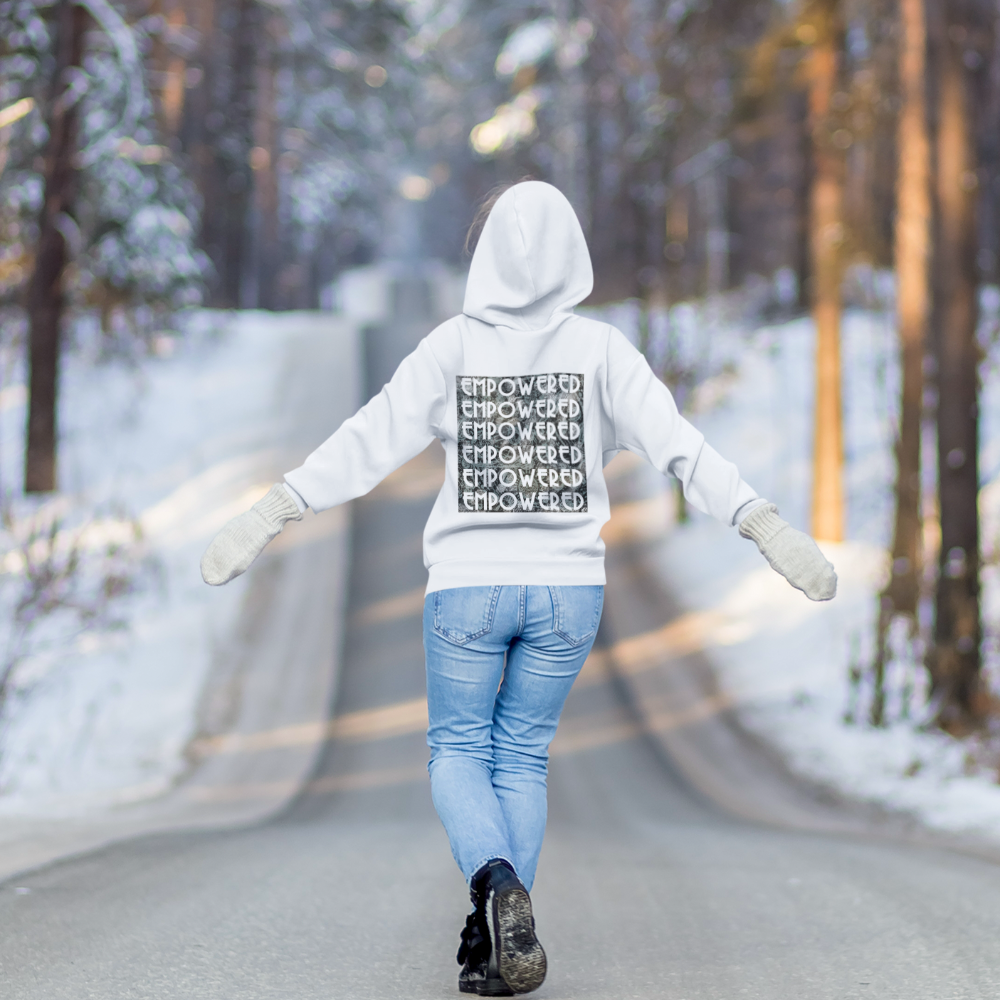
[[791, 553], [243, 538]]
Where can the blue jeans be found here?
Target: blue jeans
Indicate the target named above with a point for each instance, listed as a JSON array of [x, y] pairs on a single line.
[[500, 662]]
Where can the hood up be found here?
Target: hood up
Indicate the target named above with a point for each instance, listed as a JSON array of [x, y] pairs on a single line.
[[531, 265]]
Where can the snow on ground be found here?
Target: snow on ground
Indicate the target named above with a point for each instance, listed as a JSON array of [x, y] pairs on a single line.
[[181, 441], [184, 440], [783, 659]]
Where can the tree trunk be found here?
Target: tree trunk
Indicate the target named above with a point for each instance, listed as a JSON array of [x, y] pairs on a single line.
[[912, 246], [826, 242], [166, 73], [264, 160], [173, 69], [235, 257], [199, 137], [219, 130], [569, 163], [954, 662], [711, 194], [46, 298], [912, 239]]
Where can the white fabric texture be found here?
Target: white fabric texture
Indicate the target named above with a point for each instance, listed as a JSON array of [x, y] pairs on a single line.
[[531, 265], [243, 538], [518, 345], [791, 553], [744, 511], [299, 502]]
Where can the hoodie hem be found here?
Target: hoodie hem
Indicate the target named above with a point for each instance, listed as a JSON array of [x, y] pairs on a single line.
[[510, 573]]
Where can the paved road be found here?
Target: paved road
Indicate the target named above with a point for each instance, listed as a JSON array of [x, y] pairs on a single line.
[[644, 889]]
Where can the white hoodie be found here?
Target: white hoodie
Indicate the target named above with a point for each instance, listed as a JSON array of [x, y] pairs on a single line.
[[530, 402]]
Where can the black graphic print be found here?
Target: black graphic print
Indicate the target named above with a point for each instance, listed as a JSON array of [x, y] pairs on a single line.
[[520, 444]]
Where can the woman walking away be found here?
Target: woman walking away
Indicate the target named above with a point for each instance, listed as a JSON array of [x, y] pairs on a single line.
[[530, 402]]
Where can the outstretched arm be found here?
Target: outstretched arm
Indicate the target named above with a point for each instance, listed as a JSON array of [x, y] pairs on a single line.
[[647, 422], [389, 430]]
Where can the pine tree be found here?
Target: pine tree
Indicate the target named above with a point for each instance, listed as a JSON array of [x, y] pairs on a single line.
[[110, 221]]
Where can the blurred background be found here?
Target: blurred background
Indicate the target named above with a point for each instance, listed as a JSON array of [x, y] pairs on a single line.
[[792, 206]]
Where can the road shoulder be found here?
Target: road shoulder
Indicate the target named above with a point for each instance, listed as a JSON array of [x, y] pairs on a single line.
[[265, 704]]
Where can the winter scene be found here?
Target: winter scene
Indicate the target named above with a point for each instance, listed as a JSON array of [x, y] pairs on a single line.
[[517, 482]]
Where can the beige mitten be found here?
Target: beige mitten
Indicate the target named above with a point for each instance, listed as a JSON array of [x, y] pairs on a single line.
[[791, 553], [243, 538]]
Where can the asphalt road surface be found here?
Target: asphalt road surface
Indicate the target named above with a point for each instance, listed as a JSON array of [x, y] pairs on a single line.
[[644, 889]]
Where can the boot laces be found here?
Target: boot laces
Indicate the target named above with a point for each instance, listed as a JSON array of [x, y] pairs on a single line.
[[472, 937]]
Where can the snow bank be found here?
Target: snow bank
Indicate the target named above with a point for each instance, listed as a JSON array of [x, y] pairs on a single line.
[[181, 441], [783, 659]]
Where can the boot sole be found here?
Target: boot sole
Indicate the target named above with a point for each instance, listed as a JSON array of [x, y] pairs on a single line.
[[484, 988], [520, 958]]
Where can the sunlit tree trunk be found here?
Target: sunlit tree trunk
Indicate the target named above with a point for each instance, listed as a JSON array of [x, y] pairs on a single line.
[[912, 242], [826, 243], [46, 296], [954, 661], [174, 70]]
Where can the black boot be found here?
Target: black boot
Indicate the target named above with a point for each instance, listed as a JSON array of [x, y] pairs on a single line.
[[475, 955], [514, 950]]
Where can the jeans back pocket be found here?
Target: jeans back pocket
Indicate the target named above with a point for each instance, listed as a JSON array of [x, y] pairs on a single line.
[[576, 612], [464, 613]]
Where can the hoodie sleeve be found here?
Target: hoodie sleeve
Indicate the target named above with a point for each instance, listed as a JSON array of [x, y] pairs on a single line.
[[647, 422], [390, 429]]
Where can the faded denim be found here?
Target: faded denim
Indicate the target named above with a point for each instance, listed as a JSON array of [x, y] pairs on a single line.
[[500, 663]]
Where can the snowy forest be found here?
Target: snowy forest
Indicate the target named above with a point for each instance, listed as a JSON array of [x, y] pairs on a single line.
[[758, 160]]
